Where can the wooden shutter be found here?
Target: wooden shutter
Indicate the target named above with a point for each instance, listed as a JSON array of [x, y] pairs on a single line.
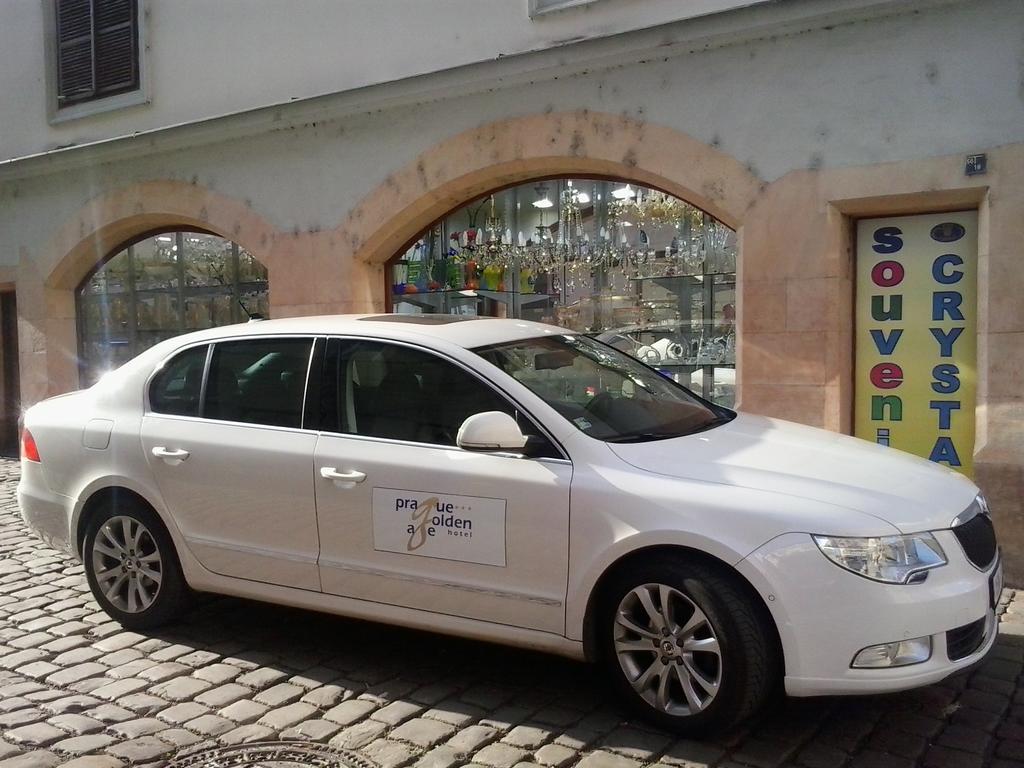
[[75, 78], [117, 61], [97, 49]]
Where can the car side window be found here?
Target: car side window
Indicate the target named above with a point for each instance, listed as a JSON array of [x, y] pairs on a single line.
[[258, 381], [397, 392], [176, 389]]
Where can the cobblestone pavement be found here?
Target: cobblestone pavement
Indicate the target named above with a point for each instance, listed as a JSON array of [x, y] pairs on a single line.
[[76, 689]]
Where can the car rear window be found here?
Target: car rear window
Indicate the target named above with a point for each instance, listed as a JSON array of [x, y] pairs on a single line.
[[176, 389]]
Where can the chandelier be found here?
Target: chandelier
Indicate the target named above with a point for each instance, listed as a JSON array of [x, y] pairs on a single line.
[[574, 249], [632, 233]]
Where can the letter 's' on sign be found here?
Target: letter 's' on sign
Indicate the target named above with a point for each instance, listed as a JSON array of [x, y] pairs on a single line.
[[915, 335]]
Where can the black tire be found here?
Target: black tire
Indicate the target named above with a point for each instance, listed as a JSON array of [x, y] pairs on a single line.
[[747, 668], [171, 594]]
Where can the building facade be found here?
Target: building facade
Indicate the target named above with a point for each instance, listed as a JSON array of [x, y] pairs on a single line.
[[168, 166]]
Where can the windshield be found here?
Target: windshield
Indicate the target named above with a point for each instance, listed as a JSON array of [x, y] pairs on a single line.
[[605, 393]]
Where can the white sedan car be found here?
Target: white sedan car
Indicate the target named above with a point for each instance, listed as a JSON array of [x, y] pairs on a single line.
[[517, 483]]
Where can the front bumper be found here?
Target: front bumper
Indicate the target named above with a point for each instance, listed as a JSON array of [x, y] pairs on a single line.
[[825, 615]]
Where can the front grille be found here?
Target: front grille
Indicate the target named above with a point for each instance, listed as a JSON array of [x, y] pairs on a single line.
[[978, 539], [963, 641]]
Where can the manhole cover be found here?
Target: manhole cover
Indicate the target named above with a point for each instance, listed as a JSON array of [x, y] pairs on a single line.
[[273, 754]]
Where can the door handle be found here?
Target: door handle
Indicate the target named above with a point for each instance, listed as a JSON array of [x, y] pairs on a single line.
[[343, 479], [171, 457]]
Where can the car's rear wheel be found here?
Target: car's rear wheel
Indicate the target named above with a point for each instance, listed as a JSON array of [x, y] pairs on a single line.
[[686, 646], [132, 568]]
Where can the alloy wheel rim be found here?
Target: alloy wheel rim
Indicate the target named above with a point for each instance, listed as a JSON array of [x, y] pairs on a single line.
[[127, 564], [667, 649]]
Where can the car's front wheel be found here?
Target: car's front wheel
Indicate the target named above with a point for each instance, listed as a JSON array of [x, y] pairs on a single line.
[[131, 566], [686, 646]]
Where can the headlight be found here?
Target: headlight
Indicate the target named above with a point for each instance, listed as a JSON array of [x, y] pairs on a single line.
[[892, 559]]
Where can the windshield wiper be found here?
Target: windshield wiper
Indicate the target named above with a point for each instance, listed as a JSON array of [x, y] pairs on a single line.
[[640, 437], [718, 421]]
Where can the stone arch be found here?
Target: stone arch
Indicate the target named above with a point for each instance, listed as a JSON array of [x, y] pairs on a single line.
[[520, 149], [108, 221], [47, 281]]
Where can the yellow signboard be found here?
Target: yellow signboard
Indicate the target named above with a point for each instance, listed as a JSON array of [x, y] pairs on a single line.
[[916, 338]]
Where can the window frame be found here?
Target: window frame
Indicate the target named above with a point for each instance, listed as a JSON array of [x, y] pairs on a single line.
[[313, 363], [55, 112], [334, 344], [135, 297]]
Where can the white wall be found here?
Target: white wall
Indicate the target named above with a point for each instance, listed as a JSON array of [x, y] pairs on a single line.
[[934, 83], [213, 57]]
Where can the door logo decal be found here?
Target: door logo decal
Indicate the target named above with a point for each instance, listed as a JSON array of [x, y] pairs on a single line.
[[432, 515], [469, 529]]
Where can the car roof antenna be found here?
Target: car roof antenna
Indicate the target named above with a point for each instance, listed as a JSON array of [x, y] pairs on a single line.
[[253, 316]]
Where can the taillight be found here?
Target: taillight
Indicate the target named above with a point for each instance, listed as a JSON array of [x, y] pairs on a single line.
[[29, 450]]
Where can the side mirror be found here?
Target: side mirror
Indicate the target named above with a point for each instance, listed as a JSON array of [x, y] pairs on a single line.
[[490, 431]]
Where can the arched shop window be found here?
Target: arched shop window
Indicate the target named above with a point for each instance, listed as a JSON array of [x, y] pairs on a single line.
[[636, 267], [162, 286]]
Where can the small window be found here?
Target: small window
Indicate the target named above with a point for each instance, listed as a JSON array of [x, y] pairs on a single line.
[[97, 49], [395, 392], [261, 381], [177, 387]]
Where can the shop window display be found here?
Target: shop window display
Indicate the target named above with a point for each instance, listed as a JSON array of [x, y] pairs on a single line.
[[162, 286], [637, 268]]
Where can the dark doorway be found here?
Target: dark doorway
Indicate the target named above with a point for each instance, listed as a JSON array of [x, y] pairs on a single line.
[[10, 399]]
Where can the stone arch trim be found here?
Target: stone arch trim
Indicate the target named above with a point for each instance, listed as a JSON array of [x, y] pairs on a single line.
[[113, 218], [515, 150], [46, 281]]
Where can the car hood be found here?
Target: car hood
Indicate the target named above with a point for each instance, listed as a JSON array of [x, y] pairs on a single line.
[[766, 454]]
